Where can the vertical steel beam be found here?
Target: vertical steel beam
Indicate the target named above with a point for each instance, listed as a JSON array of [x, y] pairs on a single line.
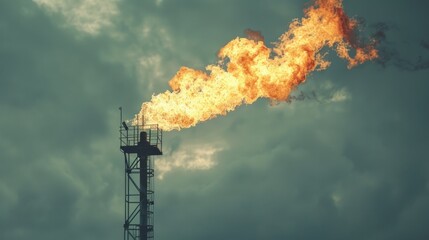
[[143, 197]]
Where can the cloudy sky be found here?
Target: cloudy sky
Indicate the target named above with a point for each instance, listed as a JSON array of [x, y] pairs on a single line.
[[349, 161]]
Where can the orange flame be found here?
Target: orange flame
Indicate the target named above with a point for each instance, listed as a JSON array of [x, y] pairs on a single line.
[[248, 70]]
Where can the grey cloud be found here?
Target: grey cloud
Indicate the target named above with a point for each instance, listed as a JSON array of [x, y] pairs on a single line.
[[56, 97], [89, 17], [352, 169]]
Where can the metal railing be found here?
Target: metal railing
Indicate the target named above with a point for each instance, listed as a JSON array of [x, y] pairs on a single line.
[[130, 135]]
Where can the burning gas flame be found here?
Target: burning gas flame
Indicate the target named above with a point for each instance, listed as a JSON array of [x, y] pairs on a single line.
[[248, 70]]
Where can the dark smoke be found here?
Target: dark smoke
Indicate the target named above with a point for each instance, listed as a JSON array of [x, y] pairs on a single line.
[[379, 35], [389, 54], [302, 96], [254, 35]]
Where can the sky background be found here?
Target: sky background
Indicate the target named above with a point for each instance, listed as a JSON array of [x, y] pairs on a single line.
[[351, 164]]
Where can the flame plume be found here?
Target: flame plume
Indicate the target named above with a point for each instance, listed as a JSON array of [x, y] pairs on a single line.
[[248, 70]]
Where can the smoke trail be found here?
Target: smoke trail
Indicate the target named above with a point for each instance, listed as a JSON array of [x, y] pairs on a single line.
[[389, 54], [248, 70]]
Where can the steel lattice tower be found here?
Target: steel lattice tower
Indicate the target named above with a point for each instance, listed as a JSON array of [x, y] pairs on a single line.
[[139, 144]]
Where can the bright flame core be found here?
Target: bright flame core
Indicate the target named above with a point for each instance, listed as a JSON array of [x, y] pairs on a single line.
[[248, 70]]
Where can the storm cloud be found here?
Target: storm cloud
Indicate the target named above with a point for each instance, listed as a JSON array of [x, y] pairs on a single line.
[[352, 165]]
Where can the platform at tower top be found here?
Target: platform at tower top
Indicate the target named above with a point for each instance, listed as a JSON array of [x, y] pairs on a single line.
[[137, 138]]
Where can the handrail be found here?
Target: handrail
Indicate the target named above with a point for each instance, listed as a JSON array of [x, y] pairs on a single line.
[[130, 135]]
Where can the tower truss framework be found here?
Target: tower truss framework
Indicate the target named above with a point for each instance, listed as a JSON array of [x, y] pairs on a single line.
[[139, 144]]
